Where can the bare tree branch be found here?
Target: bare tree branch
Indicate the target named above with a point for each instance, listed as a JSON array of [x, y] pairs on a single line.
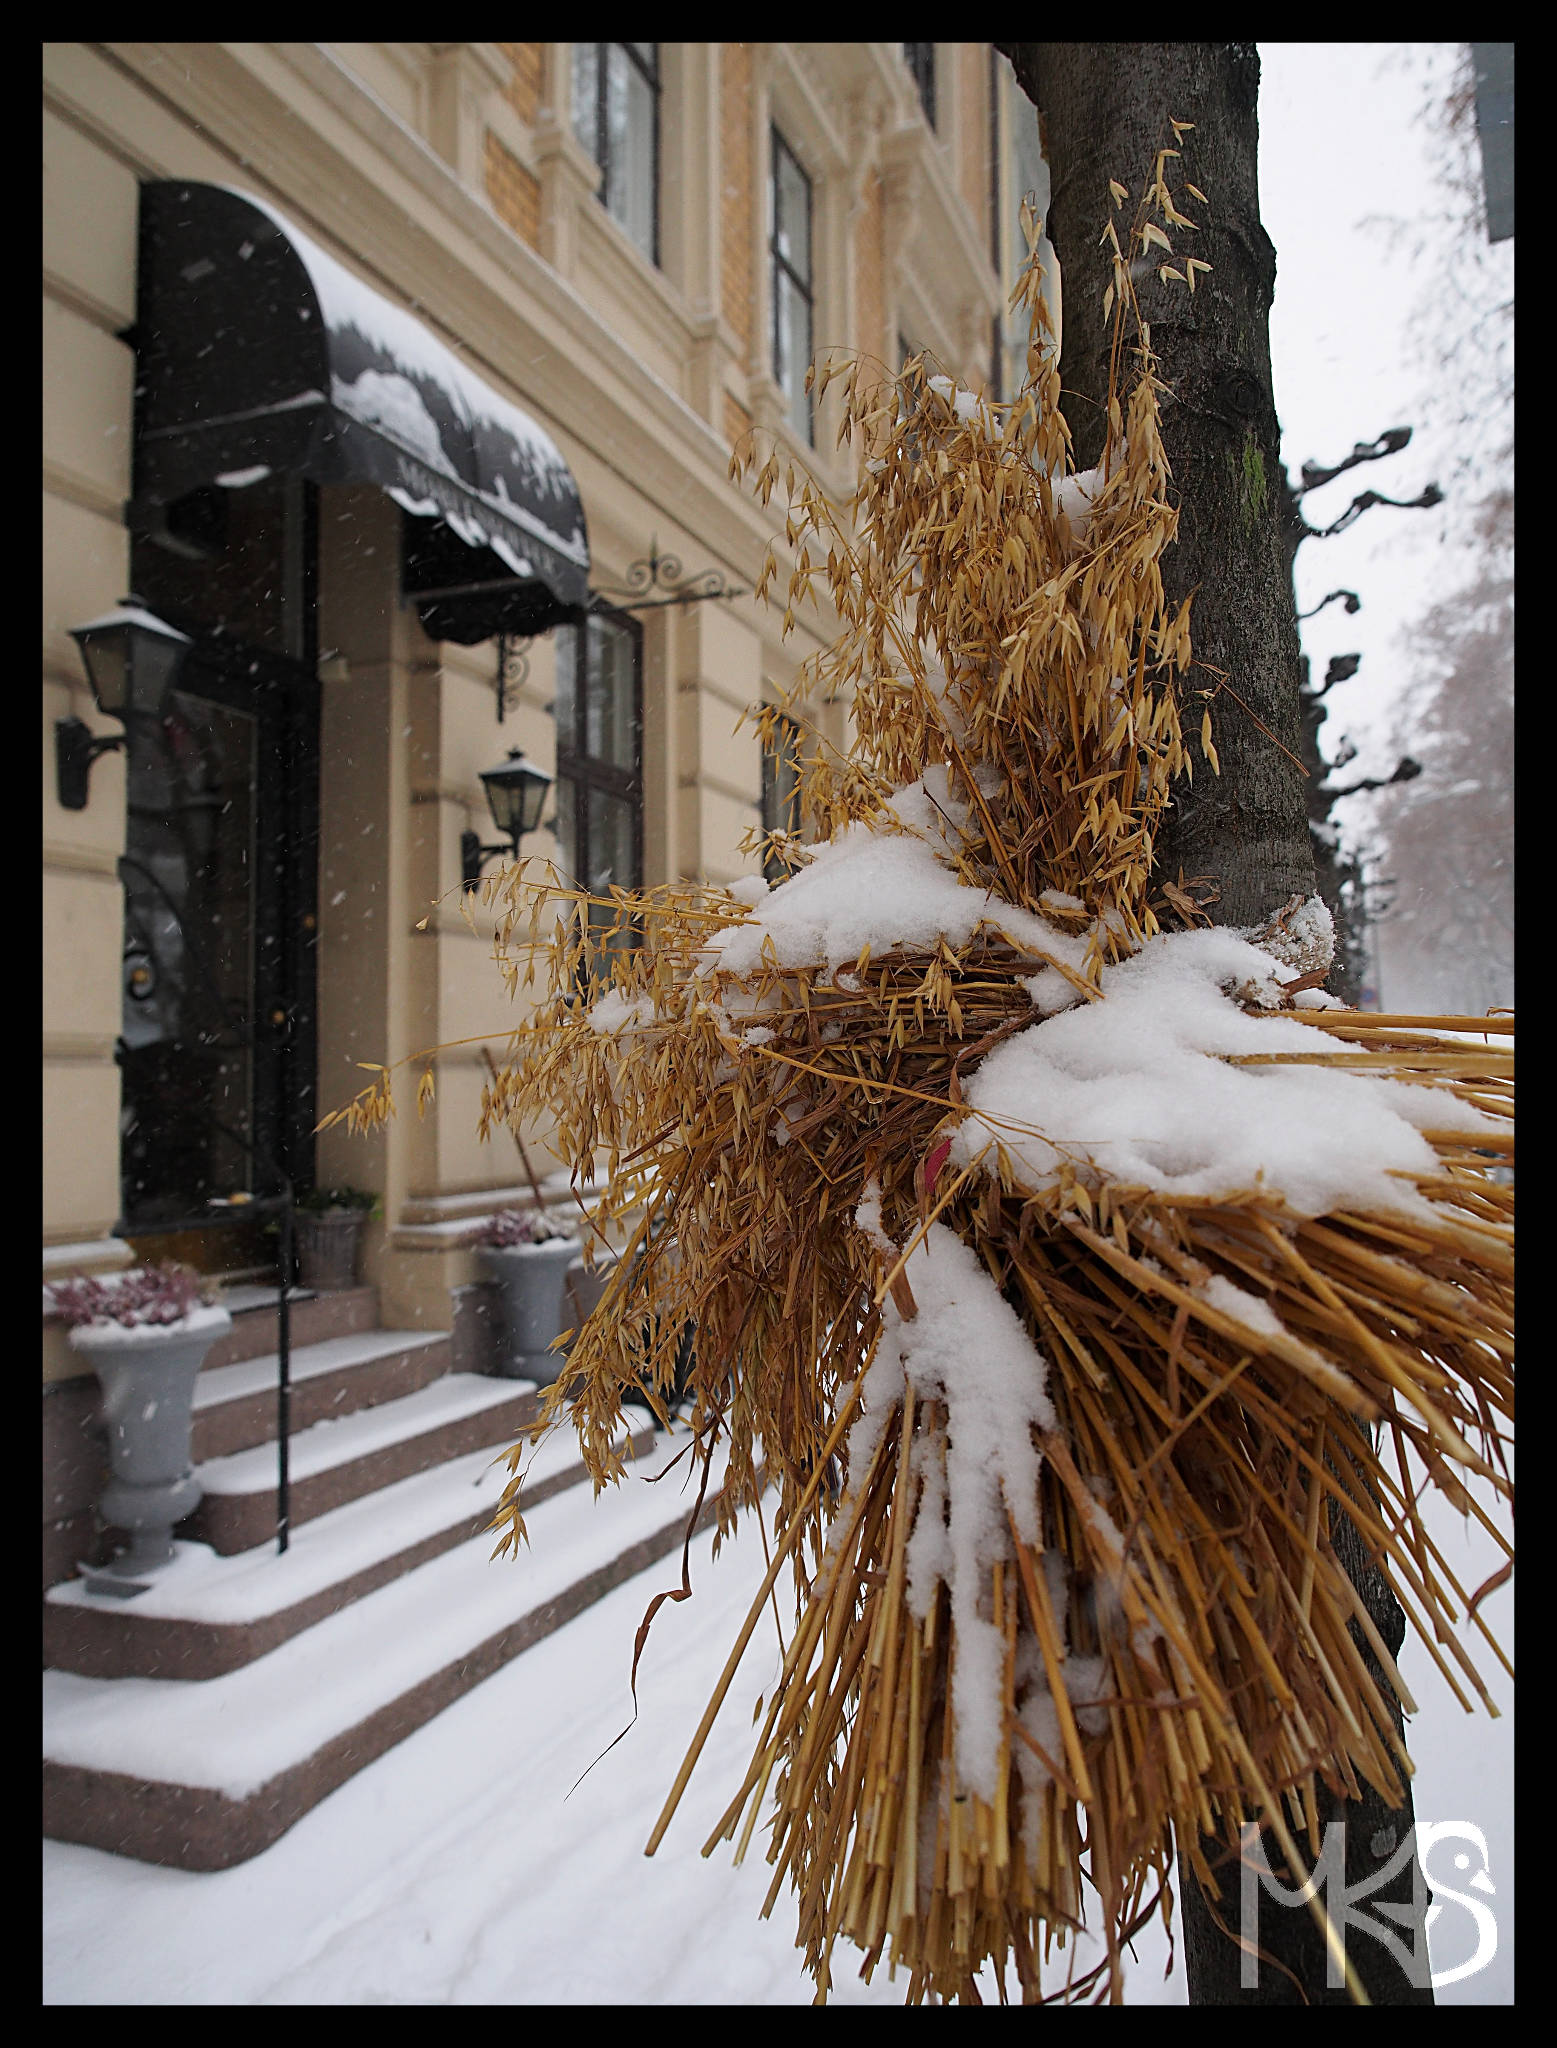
[[1390, 442], [1406, 770], [1353, 601], [1354, 511]]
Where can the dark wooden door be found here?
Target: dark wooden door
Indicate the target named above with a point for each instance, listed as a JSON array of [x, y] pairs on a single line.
[[220, 884]]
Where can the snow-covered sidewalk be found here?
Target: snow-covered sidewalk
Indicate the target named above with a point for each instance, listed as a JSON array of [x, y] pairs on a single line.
[[459, 1870]]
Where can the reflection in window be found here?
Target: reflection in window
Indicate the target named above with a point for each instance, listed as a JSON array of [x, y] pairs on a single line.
[[1020, 172], [781, 790], [599, 759], [188, 959], [616, 116], [790, 245]]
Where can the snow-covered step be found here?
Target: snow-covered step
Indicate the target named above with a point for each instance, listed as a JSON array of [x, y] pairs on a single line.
[[204, 1775], [206, 1613], [235, 1405], [313, 1317], [340, 1460]]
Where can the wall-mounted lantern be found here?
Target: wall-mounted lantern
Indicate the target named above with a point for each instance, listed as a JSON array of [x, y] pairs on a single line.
[[516, 796], [132, 659]]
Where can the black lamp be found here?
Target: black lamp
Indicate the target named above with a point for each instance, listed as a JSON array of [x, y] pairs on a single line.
[[132, 659], [516, 796]]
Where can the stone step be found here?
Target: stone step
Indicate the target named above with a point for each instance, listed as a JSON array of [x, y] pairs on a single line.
[[205, 1774], [206, 1613], [235, 1405], [337, 1461], [313, 1317]]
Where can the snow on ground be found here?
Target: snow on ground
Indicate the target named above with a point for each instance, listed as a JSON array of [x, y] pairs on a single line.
[[457, 1870]]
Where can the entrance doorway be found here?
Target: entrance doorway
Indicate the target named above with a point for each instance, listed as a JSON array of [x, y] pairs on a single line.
[[217, 1044]]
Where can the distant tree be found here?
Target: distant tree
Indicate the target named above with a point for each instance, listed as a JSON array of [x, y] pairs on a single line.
[[1339, 865], [1449, 925], [1447, 935]]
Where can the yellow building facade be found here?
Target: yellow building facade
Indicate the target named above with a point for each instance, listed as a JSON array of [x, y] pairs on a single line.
[[627, 252]]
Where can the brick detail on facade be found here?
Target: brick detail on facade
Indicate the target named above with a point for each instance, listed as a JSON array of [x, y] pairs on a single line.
[[738, 224], [515, 193], [523, 90]]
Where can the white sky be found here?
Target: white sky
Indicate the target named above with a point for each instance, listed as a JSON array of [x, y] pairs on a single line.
[[1338, 145]]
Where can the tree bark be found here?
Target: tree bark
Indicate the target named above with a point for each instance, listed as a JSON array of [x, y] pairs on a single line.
[[1105, 110]]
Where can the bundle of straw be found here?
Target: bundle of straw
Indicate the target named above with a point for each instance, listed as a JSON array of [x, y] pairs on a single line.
[[1058, 1433]]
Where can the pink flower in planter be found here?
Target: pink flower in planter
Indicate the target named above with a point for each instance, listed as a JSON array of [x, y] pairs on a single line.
[[145, 1295], [525, 1226]]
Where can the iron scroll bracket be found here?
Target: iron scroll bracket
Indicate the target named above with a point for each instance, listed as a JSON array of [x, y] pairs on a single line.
[[663, 573]]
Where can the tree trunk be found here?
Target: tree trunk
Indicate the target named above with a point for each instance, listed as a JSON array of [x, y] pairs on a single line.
[[1105, 110]]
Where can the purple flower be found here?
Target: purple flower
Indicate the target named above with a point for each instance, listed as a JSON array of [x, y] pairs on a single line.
[[523, 1226], [164, 1293]]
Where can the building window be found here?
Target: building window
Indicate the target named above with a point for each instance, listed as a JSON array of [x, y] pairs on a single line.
[[781, 790], [920, 59], [599, 712], [1019, 172], [790, 245], [616, 115]]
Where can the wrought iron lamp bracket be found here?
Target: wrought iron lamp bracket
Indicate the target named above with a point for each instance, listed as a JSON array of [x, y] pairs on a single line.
[[657, 572], [474, 855], [513, 666], [75, 749]]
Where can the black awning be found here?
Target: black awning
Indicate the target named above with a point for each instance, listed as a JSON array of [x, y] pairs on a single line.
[[258, 354]]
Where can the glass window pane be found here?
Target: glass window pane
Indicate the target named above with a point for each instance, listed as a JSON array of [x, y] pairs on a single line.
[[637, 214], [586, 96], [630, 136], [610, 708], [613, 852], [792, 351], [791, 211], [565, 703], [781, 781], [567, 827], [189, 958], [648, 56], [617, 68]]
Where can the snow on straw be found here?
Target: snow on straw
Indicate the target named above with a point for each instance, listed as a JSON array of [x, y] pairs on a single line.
[[879, 884], [614, 1015], [1140, 1089], [965, 1347], [1242, 1306]]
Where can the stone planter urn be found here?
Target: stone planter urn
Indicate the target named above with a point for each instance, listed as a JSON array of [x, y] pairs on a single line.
[[328, 1241], [532, 1279], [147, 1373]]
